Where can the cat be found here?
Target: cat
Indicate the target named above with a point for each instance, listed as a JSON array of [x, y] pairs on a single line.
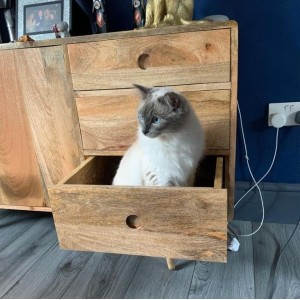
[[169, 145], [168, 12]]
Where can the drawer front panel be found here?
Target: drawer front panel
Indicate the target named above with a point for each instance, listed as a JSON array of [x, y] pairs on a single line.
[[173, 59], [188, 223], [109, 124]]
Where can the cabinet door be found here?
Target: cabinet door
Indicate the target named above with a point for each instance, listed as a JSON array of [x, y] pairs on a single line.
[[20, 179], [48, 97]]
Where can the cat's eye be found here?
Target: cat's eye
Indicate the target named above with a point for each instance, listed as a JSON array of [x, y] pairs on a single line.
[[156, 120], [141, 117]]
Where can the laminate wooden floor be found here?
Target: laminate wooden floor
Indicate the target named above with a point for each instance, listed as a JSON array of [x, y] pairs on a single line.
[[33, 266]]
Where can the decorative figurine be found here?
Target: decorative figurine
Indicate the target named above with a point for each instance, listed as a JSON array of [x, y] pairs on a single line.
[[61, 29], [100, 14], [138, 13], [25, 38], [174, 12], [170, 12]]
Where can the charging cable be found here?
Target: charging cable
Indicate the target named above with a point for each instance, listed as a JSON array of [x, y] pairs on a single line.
[[250, 171]]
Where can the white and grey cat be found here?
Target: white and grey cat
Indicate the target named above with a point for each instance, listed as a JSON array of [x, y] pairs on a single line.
[[169, 145]]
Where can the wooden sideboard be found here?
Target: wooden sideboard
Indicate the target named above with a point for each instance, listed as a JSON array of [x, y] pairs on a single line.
[[67, 115]]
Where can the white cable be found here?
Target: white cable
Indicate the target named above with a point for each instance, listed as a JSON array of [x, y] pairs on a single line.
[[275, 153], [250, 171]]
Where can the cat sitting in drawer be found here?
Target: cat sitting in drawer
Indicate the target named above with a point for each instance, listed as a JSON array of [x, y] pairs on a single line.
[[170, 142]]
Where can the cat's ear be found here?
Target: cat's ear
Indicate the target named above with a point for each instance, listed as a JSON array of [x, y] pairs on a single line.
[[173, 100], [142, 89]]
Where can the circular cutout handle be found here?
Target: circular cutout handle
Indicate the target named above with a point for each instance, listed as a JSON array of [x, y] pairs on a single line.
[[133, 221], [143, 61]]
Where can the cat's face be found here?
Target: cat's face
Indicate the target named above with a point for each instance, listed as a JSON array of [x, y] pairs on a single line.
[[161, 112]]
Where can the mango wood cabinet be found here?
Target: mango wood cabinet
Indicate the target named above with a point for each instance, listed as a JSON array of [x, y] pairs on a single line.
[[68, 114]]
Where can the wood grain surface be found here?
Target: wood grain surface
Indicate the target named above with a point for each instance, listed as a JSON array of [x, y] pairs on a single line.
[[58, 267], [19, 256], [94, 170], [230, 160], [153, 280], [28, 208], [192, 87], [13, 224], [234, 280], [193, 26], [105, 276], [218, 181], [47, 92], [277, 276], [20, 179], [198, 57], [32, 266], [108, 119], [170, 222]]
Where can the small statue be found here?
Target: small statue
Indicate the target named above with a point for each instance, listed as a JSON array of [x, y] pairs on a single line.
[[99, 10], [25, 38], [138, 13], [168, 12], [61, 29]]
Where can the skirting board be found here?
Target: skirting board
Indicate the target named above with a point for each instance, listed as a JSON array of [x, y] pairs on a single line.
[[281, 201]]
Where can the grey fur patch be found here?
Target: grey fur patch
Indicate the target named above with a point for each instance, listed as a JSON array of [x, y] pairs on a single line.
[[172, 113], [172, 182], [150, 179]]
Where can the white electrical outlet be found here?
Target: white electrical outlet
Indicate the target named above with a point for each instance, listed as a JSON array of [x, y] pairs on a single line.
[[283, 114]]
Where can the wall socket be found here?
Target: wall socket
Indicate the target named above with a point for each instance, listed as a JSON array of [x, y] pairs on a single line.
[[287, 109]]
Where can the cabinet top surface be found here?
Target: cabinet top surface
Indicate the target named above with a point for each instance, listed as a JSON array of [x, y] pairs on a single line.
[[194, 26]]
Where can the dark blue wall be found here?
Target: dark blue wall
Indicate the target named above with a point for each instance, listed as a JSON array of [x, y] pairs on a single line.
[[269, 71]]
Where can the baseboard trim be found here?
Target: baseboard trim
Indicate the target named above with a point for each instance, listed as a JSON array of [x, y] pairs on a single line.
[[281, 201]]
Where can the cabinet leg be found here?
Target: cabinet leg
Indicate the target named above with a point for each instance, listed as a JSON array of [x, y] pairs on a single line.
[[171, 264]]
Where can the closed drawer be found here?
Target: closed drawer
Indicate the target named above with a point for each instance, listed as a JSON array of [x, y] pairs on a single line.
[[114, 112], [171, 59], [91, 215]]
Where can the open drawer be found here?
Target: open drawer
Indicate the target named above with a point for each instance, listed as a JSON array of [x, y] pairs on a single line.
[[176, 222]]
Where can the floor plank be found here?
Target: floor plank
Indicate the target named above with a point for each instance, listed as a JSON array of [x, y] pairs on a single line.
[[32, 266], [153, 280], [14, 224], [104, 276], [277, 278], [232, 280], [4, 213], [19, 256], [51, 275]]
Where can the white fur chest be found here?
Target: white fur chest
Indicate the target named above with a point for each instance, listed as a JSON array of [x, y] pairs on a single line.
[[175, 157]]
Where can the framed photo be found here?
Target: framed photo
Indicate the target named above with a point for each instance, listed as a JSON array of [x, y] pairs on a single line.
[[37, 17]]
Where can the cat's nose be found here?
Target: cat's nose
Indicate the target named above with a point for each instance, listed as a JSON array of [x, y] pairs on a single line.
[[145, 131]]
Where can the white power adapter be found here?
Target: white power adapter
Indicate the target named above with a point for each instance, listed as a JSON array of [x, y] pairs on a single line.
[[233, 245], [278, 120]]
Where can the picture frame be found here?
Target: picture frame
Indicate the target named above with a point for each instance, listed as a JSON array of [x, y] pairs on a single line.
[[37, 17]]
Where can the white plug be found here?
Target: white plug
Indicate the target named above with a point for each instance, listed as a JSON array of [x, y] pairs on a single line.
[[278, 120], [233, 245]]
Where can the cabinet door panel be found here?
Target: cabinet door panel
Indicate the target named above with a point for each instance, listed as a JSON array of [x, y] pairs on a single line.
[[51, 110], [20, 180]]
